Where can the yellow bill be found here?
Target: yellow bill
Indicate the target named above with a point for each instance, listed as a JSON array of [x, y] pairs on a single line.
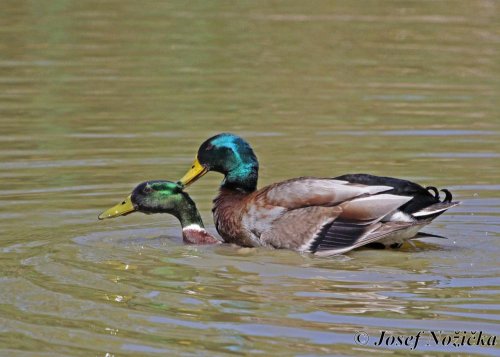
[[121, 209], [196, 171]]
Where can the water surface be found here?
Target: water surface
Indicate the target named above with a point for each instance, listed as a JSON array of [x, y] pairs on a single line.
[[96, 97]]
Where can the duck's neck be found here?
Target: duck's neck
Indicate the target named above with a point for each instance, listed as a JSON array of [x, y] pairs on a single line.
[[243, 177], [187, 213], [193, 230]]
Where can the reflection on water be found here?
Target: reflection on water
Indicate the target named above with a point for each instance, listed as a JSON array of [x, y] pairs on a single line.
[[96, 97]]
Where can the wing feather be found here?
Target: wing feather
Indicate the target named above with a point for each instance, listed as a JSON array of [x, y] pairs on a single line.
[[357, 236], [332, 230], [306, 191], [372, 207], [295, 229]]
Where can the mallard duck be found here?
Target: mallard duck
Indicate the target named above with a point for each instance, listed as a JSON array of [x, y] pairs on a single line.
[[324, 216], [165, 197]]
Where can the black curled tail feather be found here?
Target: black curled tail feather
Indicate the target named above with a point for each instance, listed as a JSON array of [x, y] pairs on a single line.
[[448, 196], [434, 190], [430, 212]]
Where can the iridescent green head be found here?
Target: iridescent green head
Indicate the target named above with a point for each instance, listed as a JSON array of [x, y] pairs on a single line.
[[157, 197], [230, 155]]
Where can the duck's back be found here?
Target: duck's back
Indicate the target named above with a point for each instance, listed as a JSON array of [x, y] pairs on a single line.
[[421, 198]]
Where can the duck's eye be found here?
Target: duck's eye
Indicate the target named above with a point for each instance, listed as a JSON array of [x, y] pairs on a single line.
[[148, 189], [209, 147]]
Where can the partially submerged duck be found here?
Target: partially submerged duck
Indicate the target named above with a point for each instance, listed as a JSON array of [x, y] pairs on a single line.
[[324, 216], [165, 197]]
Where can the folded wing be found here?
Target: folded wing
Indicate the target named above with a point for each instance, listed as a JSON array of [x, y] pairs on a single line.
[[332, 230]]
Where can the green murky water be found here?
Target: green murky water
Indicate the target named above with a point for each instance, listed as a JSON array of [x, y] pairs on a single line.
[[98, 96]]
